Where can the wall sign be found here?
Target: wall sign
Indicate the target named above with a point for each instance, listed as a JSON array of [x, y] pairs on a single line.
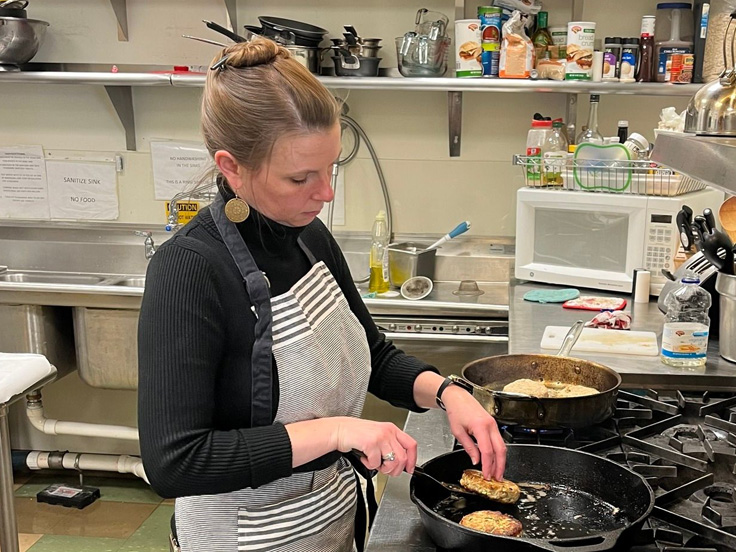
[[23, 189], [82, 191], [177, 166]]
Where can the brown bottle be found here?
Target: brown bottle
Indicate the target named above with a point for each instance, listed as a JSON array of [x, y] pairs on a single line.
[[645, 72]]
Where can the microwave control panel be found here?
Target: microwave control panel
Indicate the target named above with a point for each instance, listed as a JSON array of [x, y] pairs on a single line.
[[660, 248]]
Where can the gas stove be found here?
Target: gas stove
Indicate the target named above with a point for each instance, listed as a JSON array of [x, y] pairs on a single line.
[[685, 446]]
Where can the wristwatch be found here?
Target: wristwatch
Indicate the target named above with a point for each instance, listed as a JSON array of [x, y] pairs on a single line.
[[450, 380]]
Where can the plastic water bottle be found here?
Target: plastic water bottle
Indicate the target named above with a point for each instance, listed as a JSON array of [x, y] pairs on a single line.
[[378, 282], [686, 326]]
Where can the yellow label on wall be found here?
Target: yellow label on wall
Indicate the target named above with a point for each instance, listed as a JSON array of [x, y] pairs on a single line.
[[186, 210]]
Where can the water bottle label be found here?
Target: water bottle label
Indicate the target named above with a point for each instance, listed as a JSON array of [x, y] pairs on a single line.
[[685, 340], [384, 262]]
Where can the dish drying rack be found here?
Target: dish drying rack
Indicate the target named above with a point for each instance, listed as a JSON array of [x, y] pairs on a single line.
[[636, 177]]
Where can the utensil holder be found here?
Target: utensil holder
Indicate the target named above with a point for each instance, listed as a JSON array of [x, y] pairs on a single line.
[[409, 259]]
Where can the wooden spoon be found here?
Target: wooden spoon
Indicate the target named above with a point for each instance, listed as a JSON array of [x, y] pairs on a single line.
[[727, 215]]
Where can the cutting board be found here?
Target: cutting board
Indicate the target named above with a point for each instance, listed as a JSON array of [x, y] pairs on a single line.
[[595, 340]]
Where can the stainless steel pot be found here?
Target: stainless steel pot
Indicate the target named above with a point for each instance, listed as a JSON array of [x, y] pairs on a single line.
[[311, 58], [726, 286], [355, 66]]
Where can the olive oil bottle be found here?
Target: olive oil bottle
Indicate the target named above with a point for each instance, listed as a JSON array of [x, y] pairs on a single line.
[[378, 282]]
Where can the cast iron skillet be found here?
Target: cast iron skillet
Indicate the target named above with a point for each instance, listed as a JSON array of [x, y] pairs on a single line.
[[593, 504]]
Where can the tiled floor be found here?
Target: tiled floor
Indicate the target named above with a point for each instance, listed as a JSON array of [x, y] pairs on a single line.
[[128, 516]]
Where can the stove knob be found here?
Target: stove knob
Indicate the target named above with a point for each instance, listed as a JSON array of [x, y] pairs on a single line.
[[392, 327], [478, 329], [455, 329], [418, 327]]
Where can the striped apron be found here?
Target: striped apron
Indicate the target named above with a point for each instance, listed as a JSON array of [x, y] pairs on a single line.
[[323, 364]]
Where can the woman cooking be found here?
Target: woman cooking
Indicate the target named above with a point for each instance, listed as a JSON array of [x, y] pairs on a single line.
[[255, 348]]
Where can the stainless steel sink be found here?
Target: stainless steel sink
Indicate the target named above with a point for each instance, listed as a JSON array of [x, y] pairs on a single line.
[[50, 278], [135, 281]]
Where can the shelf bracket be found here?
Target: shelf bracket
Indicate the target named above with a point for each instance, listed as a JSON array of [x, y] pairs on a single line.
[[455, 116], [120, 8], [122, 100], [232, 14], [459, 9]]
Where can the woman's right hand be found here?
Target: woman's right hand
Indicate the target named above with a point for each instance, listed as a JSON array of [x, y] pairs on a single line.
[[377, 440]]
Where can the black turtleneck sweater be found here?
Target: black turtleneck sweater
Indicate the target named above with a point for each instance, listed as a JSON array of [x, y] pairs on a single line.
[[195, 339]]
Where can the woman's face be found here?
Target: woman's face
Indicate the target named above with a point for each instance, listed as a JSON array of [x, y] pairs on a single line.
[[292, 187]]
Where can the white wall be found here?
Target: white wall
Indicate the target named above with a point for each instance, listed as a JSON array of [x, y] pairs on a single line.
[[430, 191]]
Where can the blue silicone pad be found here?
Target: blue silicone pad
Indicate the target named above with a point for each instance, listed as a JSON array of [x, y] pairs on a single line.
[[551, 295]]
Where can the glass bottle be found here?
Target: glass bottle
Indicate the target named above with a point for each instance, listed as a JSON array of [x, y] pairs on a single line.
[[542, 38], [555, 155], [645, 72], [378, 281], [590, 134]]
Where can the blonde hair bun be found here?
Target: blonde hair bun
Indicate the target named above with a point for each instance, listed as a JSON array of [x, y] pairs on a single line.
[[259, 51]]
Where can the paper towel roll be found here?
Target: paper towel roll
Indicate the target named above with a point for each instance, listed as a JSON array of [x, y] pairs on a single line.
[[597, 66], [642, 280]]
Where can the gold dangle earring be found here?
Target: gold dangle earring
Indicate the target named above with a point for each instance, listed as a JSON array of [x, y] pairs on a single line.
[[237, 210]]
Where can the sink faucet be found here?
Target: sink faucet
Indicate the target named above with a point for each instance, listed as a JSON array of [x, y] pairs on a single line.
[[148, 243], [203, 191]]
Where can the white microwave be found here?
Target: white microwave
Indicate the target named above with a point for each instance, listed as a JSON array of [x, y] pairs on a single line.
[[596, 240]]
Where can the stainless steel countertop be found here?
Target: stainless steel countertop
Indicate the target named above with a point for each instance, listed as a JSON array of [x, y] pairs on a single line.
[[398, 526], [527, 321], [493, 303]]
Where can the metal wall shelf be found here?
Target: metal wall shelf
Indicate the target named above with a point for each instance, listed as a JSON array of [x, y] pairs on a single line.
[[118, 87], [446, 84], [708, 158]]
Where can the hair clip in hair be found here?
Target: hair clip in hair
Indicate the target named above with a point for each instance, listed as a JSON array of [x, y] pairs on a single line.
[[221, 64]]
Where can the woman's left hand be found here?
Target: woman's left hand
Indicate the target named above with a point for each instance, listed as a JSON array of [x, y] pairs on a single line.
[[469, 419]]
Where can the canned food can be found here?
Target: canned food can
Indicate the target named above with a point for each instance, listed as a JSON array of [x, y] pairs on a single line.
[[489, 61], [467, 48], [580, 45], [686, 75], [490, 27], [674, 67]]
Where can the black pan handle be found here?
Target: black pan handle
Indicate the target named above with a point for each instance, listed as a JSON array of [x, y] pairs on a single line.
[[590, 543], [224, 31]]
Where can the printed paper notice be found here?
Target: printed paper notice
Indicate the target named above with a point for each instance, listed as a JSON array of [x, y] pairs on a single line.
[[23, 189], [82, 191], [177, 166]]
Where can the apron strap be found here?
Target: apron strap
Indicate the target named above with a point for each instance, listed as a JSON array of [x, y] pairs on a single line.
[[260, 296], [307, 252]]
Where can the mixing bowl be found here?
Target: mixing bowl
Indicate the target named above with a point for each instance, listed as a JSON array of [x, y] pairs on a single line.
[[19, 41]]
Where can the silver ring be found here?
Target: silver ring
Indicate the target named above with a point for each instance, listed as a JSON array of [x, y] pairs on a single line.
[[390, 457]]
